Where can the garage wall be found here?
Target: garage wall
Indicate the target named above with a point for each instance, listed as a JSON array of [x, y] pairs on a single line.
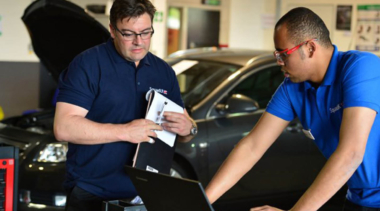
[[250, 21], [20, 71], [345, 40], [244, 24], [14, 40], [19, 67], [251, 24], [24, 83], [19, 87], [223, 8]]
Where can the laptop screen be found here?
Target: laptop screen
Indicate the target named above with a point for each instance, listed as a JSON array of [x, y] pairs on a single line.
[[161, 192]]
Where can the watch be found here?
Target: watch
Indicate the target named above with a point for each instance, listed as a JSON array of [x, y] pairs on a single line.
[[194, 130]]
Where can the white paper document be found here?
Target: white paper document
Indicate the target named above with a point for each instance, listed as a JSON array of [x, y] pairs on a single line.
[[157, 105]]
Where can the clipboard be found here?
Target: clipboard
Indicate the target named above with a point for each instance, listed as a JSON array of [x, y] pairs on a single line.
[[157, 157]]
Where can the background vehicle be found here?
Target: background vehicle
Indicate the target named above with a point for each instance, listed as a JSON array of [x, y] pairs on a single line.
[[225, 91]]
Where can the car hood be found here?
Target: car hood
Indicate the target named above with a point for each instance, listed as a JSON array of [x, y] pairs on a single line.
[[59, 31], [23, 139]]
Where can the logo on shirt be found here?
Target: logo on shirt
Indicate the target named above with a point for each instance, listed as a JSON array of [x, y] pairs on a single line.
[[336, 108], [162, 91]]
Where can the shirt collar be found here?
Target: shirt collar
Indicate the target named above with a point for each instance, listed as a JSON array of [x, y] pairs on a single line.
[[331, 71], [117, 58]]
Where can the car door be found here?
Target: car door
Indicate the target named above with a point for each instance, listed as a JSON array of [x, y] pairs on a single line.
[[291, 163]]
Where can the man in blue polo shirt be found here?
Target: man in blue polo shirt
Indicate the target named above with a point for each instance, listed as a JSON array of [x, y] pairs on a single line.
[[335, 95], [101, 107]]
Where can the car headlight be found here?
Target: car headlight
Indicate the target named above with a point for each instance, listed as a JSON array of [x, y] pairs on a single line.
[[60, 200], [53, 153]]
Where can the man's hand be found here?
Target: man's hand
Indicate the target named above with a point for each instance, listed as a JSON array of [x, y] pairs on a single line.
[[265, 208], [177, 123], [139, 130]]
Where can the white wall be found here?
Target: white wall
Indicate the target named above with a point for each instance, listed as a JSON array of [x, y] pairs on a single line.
[[247, 26], [83, 3], [345, 40], [242, 23], [159, 39], [247, 29], [15, 43]]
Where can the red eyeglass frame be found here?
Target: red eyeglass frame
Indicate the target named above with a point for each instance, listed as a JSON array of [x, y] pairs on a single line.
[[277, 54]]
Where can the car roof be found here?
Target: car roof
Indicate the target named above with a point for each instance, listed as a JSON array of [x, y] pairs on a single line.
[[240, 57]]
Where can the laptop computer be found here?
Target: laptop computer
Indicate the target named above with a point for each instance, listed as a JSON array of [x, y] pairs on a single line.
[[161, 192]]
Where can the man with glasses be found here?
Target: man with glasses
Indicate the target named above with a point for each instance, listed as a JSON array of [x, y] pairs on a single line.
[[335, 95], [101, 107]]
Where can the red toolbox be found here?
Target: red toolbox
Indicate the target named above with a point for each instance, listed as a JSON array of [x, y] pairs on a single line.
[[8, 178]]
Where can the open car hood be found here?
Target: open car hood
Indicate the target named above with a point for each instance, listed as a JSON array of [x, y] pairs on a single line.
[[59, 31]]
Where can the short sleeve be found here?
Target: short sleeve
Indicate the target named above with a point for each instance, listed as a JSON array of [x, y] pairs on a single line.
[[280, 104], [361, 81], [77, 85]]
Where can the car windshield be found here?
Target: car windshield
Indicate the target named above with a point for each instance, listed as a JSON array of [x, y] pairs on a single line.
[[198, 78]]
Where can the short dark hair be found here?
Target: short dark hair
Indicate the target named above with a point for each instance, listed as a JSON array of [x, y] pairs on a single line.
[[302, 24], [130, 9]]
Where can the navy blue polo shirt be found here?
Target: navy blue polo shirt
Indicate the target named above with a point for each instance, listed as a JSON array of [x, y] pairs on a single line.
[[352, 80], [113, 90]]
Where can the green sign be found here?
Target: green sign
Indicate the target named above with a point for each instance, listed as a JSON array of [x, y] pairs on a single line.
[[158, 16], [369, 7], [211, 2]]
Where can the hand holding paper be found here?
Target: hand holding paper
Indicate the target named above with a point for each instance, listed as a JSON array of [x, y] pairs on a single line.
[[177, 123], [140, 130], [159, 106]]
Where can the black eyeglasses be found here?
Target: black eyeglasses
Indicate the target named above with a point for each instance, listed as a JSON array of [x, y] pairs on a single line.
[[132, 35]]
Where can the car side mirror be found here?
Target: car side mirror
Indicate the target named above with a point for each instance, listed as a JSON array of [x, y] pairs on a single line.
[[238, 103]]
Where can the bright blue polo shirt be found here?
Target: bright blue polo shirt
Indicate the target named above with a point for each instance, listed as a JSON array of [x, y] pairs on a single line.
[[352, 80], [113, 90]]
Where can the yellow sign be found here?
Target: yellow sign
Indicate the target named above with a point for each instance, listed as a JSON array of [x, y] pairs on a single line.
[[1, 113]]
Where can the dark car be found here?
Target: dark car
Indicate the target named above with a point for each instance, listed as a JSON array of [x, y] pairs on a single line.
[[224, 90]]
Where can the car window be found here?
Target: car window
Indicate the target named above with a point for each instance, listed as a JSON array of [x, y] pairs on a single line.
[[200, 79], [260, 86]]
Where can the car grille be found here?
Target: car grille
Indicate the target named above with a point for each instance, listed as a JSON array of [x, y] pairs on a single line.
[[42, 198]]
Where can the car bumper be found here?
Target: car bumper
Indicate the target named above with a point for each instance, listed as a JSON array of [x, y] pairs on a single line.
[[38, 207]]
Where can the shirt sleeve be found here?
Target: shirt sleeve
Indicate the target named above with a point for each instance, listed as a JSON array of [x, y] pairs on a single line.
[[280, 104], [77, 85], [361, 81]]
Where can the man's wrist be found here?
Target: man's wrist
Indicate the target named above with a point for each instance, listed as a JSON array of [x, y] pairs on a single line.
[[193, 129], [120, 131]]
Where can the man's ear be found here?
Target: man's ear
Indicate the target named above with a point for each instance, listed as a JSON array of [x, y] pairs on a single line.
[[312, 48], [112, 31]]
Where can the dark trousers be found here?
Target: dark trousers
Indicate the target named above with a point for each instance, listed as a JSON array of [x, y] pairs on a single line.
[[349, 206], [81, 200]]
